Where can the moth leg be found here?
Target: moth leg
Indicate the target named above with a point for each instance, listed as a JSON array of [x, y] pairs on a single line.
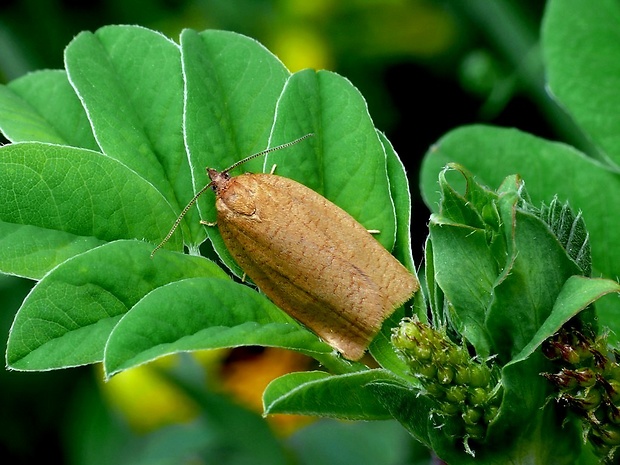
[[208, 223], [273, 169], [374, 231]]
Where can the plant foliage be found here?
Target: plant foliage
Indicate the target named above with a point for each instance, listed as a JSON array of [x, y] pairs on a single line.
[[105, 154]]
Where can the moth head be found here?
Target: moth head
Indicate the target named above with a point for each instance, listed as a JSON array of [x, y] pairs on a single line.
[[218, 180]]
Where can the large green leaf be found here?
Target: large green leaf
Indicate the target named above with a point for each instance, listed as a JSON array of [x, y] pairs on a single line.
[[231, 88], [67, 318], [130, 82], [347, 161], [206, 313], [581, 47]]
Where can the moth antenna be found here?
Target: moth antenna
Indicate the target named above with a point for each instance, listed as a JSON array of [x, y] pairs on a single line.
[[180, 218], [266, 151]]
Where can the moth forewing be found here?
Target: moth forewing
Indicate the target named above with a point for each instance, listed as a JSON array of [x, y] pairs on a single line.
[[312, 259]]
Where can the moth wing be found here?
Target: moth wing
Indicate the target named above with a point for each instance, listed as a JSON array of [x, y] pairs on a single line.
[[314, 261]]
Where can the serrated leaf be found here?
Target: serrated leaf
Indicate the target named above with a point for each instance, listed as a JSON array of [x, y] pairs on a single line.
[[66, 320], [571, 231]]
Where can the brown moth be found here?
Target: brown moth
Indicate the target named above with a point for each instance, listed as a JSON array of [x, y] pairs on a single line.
[[309, 256]]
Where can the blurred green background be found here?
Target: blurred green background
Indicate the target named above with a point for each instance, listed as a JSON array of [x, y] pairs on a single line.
[[424, 66]]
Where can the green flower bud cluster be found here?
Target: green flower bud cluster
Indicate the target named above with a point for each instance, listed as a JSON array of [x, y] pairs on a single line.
[[588, 384], [466, 390]]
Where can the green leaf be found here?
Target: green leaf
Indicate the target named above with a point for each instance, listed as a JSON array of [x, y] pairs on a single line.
[[346, 161], [320, 394], [56, 202], [577, 293], [537, 429], [418, 414], [205, 313], [466, 274], [232, 84], [525, 294], [399, 190], [130, 82], [381, 347], [570, 231], [66, 320], [581, 49], [29, 111], [548, 168]]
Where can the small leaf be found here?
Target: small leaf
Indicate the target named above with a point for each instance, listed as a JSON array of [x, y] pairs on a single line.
[[571, 232], [466, 274], [577, 293], [401, 196], [66, 320], [320, 394]]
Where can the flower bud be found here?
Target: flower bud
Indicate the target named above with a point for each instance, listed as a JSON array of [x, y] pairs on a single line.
[[478, 396], [480, 375], [586, 400], [456, 394], [471, 416], [445, 374]]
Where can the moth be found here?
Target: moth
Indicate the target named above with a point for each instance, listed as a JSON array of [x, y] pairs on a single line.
[[309, 256]]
